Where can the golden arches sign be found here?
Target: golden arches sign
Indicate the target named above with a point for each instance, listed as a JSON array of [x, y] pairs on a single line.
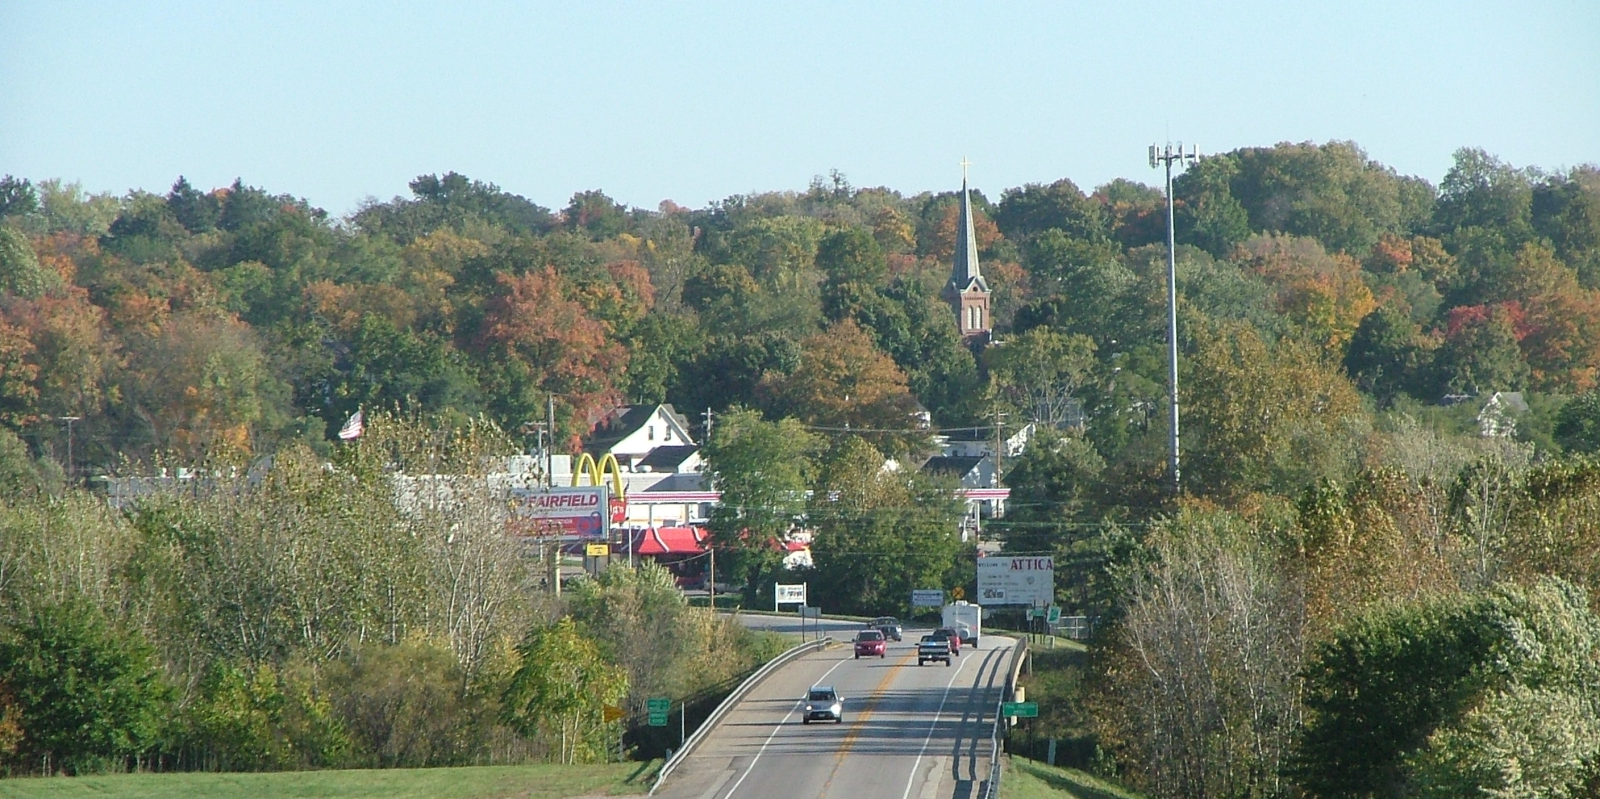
[[597, 471]]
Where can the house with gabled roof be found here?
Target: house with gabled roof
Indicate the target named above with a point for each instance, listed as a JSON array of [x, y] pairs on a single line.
[[630, 433]]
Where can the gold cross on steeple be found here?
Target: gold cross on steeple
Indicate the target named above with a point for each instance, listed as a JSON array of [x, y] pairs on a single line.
[[964, 164]]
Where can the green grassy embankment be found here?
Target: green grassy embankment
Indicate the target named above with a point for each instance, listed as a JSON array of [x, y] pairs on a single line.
[[543, 781], [1026, 779]]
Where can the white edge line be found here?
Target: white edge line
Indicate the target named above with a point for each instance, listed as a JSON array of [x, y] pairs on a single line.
[[775, 731], [931, 728]]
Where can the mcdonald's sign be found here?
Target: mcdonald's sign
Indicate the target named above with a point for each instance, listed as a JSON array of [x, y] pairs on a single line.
[[597, 471]]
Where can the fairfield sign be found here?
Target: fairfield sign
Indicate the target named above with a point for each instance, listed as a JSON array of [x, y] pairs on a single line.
[[581, 511], [1021, 580]]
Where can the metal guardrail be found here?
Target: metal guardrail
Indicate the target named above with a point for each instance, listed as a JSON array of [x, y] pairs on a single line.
[[991, 788], [734, 698]]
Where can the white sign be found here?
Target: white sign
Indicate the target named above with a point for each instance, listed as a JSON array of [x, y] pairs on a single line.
[[787, 594], [1021, 580], [579, 511], [927, 598]]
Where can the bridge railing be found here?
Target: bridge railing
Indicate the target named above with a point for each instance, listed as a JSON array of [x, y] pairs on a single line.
[[1019, 653]]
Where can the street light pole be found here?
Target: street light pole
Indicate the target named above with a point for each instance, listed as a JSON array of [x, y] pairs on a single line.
[[1166, 156]]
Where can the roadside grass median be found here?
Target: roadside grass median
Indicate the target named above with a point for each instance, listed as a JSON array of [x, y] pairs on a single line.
[[543, 781], [1026, 779]]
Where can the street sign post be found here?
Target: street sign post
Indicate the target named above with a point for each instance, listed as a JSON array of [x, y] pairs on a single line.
[[1026, 710], [597, 550], [658, 707], [612, 713], [926, 598]]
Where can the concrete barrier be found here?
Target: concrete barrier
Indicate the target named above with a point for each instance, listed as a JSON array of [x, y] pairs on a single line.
[[734, 698]]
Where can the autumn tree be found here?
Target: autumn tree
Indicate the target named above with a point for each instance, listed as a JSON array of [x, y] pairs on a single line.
[[844, 380], [763, 470]]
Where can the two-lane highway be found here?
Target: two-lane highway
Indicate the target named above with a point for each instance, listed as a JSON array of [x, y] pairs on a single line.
[[909, 731]]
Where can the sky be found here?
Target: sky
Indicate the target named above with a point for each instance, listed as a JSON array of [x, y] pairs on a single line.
[[694, 102]]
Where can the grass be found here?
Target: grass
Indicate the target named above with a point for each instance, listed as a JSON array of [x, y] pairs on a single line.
[[474, 782], [1026, 779]]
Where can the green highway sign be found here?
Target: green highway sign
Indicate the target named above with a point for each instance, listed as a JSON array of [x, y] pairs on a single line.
[[658, 707], [1025, 710], [1055, 615]]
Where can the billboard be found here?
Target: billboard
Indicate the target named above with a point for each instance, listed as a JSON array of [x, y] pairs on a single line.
[[580, 511], [1017, 580]]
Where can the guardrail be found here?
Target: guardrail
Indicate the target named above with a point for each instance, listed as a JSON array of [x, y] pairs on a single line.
[[991, 788], [733, 699]]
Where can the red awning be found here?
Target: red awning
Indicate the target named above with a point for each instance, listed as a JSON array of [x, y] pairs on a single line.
[[669, 541]]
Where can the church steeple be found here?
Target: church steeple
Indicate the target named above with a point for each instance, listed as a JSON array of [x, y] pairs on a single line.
[[967, 292]]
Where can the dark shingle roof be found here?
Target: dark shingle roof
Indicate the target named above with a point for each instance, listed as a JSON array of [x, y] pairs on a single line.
[[667, 458], [955, 465]]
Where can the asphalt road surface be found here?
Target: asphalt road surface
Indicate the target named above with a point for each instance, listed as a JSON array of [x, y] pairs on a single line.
[[790, 623], [909, 731]]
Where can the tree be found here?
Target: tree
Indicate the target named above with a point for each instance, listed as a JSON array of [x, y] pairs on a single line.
[[1039, 373], [1437, 696], [90, 696], [763, 470], [1578, 423], [537, 340], [1035, 208], [844, 380], [879, 533], [1386, 357], [560, 690]]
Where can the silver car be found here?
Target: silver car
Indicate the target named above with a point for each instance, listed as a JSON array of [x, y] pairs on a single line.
[[822, 702]]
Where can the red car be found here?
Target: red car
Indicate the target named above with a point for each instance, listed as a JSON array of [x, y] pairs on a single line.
[[871, 642], [953, 636]]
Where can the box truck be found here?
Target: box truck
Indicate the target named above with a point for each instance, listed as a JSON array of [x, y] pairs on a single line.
[[966, 618]]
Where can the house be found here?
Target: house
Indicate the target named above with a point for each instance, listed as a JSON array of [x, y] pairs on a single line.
[[967, 441], [1498, 418], [630, 433]]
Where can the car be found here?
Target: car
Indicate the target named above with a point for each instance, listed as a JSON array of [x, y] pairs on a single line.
[[952, 636], [822, 702], [871, 642], [932, 647], [889, 626]]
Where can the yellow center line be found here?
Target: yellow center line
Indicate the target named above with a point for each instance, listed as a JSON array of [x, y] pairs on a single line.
[[865, 716]]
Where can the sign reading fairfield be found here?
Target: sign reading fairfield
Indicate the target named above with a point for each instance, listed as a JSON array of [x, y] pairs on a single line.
[[1017, 580], [580, 511]]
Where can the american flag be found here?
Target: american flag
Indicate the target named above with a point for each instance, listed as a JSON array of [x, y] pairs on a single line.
[[352, 427]]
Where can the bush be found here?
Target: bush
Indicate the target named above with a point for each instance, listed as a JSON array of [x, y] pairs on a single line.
[[87, 697]]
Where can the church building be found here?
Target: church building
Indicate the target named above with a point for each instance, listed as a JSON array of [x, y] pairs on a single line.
[[967, 292]]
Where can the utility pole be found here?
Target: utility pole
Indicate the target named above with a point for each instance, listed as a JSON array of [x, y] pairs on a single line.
[[707, 414], [1167, 156], [999, 451], [69, 420], [549, 482]]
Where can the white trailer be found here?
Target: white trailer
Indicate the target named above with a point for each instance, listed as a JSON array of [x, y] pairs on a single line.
[[967, 619]]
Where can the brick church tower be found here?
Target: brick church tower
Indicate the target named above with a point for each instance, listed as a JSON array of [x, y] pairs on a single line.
[[967, 292]]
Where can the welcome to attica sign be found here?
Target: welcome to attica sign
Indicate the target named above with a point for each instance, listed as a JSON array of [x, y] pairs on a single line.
[[1022, 580]]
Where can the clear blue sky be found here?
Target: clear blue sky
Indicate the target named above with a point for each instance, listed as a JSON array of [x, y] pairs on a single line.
[[693, 102]]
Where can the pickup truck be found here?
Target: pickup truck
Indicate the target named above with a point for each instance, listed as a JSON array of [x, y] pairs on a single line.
[[933, 648]]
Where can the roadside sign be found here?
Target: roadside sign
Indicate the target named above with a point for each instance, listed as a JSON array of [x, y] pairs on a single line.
[[658, 707], [927, 598], [1055, 615], [612, 713], [808, 611], [1025, 710], [598, 550], [1016, 580], [958, 593], [788, 594]]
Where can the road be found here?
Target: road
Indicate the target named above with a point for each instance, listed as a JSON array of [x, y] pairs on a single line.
[[908, 730]]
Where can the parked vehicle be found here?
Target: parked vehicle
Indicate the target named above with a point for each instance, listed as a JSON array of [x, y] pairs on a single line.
[[871, 642], [822, 702], [966, 618], [889, 626], [951, 636], [932, 647]]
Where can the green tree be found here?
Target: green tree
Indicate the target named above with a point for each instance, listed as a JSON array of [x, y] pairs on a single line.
[[763, 470], [879, 534], [560, 690], [1039, 374], [1578, 423], [91, 696], [1386, 357]]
